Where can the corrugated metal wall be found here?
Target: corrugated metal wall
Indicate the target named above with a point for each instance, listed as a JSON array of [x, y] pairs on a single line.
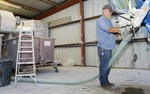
[[68, 56], [93, 7], [67, 34], [73, 11], [71, 34], [141, 49]]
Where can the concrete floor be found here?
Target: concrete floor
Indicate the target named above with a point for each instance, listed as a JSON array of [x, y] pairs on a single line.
[[125, 79]]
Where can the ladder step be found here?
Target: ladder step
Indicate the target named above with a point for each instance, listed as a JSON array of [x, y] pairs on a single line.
[[25, 62], [26, 29], [25, 51], [26, 40], [25, 58], [26, 34], [25, 46], [26, 74]]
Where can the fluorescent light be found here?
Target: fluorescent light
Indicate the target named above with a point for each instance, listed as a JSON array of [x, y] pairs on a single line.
[[10, 4]]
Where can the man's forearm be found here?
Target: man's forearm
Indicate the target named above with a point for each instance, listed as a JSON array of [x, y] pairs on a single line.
[[114, 30]]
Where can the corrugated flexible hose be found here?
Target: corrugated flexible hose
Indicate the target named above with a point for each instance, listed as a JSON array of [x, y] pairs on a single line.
[[74, 82]]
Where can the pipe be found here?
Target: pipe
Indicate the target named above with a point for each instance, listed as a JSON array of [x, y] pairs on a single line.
[[74, 82], [122, 45]]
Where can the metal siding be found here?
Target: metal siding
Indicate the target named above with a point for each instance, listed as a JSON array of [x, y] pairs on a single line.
[[97, 7], [93, 7], [137, 51], [73, 12], [129, 52], [144, 56], [68, 55], [148, 55], [66, 34], [90, 30], [88, 7], [50, 18], [85, 9], [63, 13], [91, 56], [125, 58]]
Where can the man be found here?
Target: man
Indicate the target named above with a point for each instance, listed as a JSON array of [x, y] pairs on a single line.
[[106, 43]]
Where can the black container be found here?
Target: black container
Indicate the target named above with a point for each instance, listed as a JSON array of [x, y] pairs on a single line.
[[5, 72]]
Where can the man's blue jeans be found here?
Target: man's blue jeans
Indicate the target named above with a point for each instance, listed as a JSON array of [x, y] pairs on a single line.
[[104, 57]]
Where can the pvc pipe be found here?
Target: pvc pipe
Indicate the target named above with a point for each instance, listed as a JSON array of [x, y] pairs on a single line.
[[74, 82]]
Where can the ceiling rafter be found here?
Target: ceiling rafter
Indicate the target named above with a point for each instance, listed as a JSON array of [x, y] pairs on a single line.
[[56, 9], [24, 6], [49, 2], [22, 16]]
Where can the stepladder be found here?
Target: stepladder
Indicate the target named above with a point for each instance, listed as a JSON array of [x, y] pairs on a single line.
[[25, 61]]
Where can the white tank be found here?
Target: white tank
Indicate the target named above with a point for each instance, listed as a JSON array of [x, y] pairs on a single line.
[[7, 22]]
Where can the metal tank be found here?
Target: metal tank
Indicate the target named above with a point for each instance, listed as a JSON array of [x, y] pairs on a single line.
[[44, 50]]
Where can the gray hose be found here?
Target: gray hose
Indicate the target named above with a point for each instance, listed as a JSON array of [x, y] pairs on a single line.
[[73, 82], [67, 82]]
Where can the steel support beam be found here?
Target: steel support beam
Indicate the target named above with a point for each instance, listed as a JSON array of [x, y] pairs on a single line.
[[82, 32]]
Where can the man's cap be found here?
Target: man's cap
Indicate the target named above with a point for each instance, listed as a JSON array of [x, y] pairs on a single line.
[[108, 7]]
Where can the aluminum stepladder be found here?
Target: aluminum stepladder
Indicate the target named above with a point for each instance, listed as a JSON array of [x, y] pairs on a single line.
[[25, 61]]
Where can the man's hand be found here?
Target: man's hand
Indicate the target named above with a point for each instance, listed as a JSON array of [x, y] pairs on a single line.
[[115, 30], [119, 30], [117, 34], [127, 28]]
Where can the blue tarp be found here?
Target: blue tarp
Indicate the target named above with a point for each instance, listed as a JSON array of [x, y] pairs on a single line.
[[139, 4], [147, 18]]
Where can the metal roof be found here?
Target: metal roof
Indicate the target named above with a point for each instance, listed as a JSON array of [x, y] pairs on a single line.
[[34, 8]]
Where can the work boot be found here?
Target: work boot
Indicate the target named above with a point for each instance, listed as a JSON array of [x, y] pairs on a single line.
[[112, 84], [108, 86]]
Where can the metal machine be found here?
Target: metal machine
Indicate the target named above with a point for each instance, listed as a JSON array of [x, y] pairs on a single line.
[[7, 25], [132, 20], [146, 21], [8, 22], [133, 16], [44, 46]]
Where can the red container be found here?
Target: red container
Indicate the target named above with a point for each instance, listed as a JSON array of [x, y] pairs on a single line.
[[43, 47]]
